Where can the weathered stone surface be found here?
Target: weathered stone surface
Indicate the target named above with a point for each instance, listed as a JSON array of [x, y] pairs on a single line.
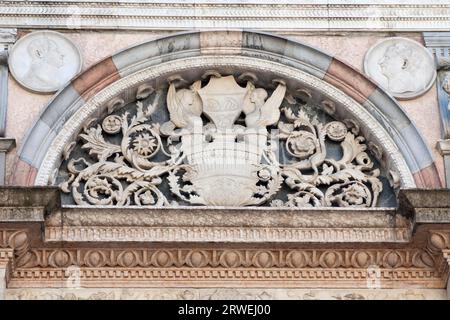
[[15, 214], [422, 263], [224, 42], [427, 206], [29, 197], [283, 16], [7, 144], [420, 198], [223, 294], [230, 225]]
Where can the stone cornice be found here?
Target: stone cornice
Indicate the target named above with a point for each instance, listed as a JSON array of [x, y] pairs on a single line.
[[252, 225], [426, 206], [203, 224], [6, 144], [33, 261], [7, 36], [188, 15]]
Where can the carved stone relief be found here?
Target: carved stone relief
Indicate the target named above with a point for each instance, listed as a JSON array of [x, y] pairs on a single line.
[[401, 66], [44, 61], [217, 142], [223, 294]]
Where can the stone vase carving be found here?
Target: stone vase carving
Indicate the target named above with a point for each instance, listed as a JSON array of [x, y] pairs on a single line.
[[223, 160]]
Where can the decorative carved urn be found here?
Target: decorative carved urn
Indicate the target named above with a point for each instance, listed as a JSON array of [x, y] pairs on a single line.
[[223, 160]]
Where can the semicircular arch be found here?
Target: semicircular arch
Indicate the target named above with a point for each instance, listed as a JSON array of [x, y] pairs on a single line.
[[118, 77]]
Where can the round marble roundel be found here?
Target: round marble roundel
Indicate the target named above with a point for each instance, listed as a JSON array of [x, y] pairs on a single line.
[[401, 66], [44, 61]]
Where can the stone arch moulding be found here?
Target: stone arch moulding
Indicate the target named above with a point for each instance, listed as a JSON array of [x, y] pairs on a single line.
[[384, 122]]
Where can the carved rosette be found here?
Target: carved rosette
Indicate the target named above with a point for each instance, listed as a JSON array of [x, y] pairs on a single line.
[[219, 144]]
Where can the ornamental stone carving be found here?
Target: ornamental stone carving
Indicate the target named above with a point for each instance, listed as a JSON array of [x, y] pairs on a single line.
[[402, 66], [44, 61], [217, 142]]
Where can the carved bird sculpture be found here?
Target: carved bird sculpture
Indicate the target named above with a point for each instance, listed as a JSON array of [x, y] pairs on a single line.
[[185, 106], [259, 112]]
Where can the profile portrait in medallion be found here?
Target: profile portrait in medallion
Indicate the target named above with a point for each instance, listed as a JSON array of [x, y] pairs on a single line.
[[401, 66], [44, 61]]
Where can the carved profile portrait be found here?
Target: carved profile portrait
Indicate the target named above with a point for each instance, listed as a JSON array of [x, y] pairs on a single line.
[[401, 64], [46, 60]]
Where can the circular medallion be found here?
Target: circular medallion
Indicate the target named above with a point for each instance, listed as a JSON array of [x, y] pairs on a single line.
[[336, 130], [401, 66], [112, 124], [44, 61]]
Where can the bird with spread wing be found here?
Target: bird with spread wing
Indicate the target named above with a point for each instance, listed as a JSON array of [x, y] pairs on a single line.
[[185, 106], [259, 112]]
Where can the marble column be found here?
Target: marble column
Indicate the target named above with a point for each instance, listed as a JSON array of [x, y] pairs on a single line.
[[7, 38], [439, 44]]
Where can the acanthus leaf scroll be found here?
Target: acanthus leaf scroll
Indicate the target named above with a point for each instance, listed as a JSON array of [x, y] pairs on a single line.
[[217, 150]]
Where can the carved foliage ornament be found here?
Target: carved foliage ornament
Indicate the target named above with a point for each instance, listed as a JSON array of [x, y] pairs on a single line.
[[216, 150]]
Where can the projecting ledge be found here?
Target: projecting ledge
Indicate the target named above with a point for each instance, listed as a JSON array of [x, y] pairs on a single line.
[[41, 206], [205, 224], [426, 206]]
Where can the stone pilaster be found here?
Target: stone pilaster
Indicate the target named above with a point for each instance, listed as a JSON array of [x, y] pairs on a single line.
[[443, 146], [446, 254], [6, 256], [7, 38], [448, 289], [3, 272], [5, 146], [439, 44]]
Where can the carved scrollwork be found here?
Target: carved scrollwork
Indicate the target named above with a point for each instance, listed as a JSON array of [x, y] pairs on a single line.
[[215, 147], [101, 183], [350, 181]]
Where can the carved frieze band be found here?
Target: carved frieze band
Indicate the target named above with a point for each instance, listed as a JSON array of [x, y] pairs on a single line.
[[227, 258], [424, 262], [208, 267], [207, 224], [226, 278], [292, 268], [193, 14], [224, 234], [14, 239], [14, 244], [194, 293], [227, 265], [439, 246], [21, 214]]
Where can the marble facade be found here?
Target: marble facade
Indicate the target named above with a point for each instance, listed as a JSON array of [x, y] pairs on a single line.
[[105, 194]]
